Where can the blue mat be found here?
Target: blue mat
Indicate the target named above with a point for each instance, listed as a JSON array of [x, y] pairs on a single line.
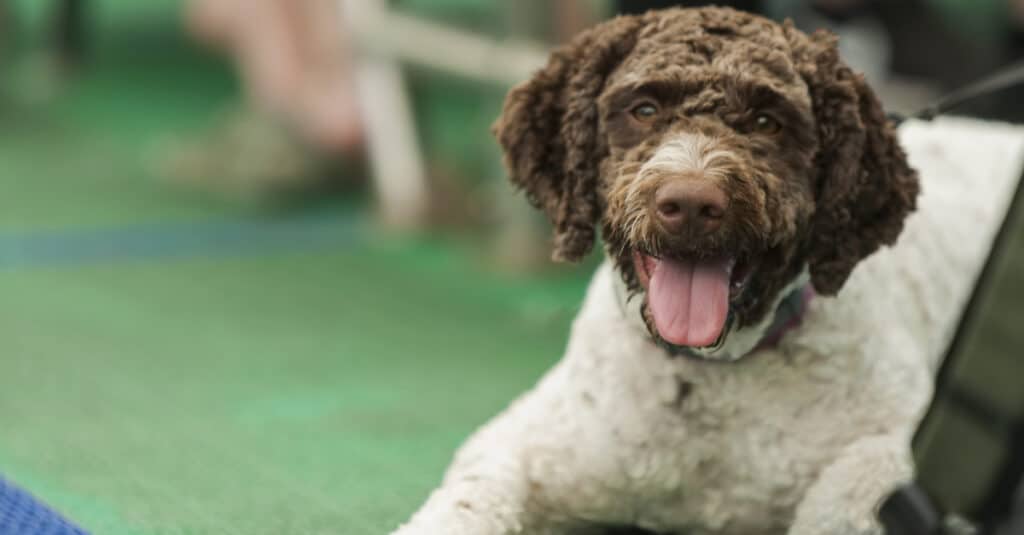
[[22, 514]]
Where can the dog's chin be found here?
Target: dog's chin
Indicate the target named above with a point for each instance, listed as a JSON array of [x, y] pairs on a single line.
[[691, 303]]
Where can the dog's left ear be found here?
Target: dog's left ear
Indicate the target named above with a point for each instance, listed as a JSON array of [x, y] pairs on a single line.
[[865, 187], [550, 133]]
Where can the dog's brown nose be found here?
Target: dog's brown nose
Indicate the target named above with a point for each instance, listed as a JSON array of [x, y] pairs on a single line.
[[690, 205]]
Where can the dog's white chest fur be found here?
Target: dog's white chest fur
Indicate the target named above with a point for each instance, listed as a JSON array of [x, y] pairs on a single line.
[[673, 442], [802, 438]]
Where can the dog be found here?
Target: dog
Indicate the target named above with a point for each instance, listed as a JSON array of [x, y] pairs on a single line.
[[716, 380]]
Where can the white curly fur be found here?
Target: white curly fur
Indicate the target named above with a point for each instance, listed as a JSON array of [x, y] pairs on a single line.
[[804, 438]]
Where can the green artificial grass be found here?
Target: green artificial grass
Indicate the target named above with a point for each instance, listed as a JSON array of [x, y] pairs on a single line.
[[286, 393]]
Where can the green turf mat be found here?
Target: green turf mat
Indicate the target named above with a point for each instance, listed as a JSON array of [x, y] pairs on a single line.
[[293, 393]]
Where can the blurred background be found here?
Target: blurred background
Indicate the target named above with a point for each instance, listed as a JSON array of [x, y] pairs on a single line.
[[260, 270]]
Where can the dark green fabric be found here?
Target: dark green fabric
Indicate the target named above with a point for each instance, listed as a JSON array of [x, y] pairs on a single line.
[[963, 453]]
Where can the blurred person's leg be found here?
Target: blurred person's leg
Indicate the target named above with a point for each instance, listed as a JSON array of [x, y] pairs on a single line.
[[331, 107], [293, 61], [299, 114], [6, 25], [70, 31]]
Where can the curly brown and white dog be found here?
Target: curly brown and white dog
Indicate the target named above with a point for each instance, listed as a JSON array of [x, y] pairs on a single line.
[[735, 167]]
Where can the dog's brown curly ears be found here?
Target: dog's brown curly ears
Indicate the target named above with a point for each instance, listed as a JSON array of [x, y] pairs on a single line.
[[549, 131], [865, 188]]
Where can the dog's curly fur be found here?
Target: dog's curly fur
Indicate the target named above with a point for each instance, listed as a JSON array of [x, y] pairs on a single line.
[[804, 437], [825, 192]]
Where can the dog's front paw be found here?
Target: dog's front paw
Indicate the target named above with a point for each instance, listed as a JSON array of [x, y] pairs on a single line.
[[847, 495], [467, 509]]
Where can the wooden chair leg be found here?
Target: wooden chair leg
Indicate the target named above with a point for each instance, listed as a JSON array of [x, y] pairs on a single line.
[[400, 177]]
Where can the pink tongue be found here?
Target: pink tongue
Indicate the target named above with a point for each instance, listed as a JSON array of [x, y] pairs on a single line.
[[690, 300]]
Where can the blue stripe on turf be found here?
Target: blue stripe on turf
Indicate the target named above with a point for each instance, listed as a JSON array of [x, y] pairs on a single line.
[[62, 248], [22, 514]]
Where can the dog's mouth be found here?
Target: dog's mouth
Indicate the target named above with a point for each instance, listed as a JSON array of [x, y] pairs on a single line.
[[689, 300]]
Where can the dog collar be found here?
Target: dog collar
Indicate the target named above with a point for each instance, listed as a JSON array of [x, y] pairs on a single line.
[[788, 314]]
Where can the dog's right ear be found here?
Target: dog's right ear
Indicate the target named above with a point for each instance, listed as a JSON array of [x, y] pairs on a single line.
[[549, 131]]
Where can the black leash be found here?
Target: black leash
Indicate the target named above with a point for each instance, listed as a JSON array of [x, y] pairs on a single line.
[[1005, 78]]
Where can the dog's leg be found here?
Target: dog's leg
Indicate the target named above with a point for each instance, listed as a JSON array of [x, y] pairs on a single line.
[[486, 490], [846, 496], [474, 504]]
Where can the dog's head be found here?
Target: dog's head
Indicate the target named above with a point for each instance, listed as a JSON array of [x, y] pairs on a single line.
[[722, 154]]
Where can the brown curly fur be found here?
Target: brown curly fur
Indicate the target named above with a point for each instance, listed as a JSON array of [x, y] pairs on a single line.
[[823, 193]]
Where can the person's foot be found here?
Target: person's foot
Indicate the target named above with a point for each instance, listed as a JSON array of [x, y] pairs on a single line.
[[246, 155], [331, 118], [293, 61], [212, 21]]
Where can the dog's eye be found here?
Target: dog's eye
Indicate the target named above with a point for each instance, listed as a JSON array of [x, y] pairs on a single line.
[[644, 112], [766, 124]]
